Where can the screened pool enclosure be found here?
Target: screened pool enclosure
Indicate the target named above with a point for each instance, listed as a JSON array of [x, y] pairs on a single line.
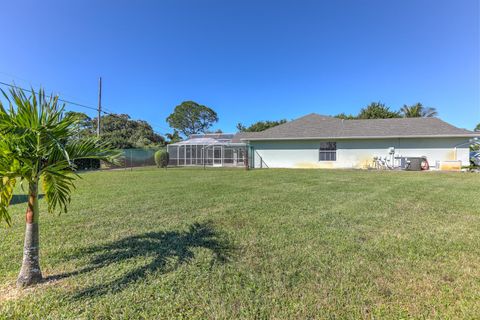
[[220, 150]]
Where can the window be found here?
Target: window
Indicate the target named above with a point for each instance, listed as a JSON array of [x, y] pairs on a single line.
[[328, 151]]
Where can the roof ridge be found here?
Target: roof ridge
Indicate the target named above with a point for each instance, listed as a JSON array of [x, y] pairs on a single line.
[[324, 116], [400, 118], [292, 122], [317, 126]]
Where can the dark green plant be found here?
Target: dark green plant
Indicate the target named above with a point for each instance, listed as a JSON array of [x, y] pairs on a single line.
[[86, 126], [345, 116], [87, 164], [173, 137], [122, 132], [260, 126], [161, 158], [472, 167], [39, 146], [418, 110], [377, 110]]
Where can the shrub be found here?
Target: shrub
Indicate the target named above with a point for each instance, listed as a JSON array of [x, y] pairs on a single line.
[[87, 164], [161, 158]]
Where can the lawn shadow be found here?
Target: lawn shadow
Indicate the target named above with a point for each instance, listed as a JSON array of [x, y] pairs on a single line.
[[22, 198], [158, 248]]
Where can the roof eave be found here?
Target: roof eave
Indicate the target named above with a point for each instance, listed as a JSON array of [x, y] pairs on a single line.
[[466, 135], [209, 144]]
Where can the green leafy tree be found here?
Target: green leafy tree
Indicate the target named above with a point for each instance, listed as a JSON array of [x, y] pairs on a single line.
[[477, 128], [38, 145], [346, 116], [173, 137], [260, 126], [377, 110], [86, 127], [417, 111], [241, 127], [190, 118], [120, 131]]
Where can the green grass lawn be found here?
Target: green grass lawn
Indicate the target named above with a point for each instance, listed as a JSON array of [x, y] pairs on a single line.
[[191, 243]]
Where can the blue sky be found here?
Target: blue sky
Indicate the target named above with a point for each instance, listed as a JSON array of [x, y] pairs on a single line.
[[248, 60]]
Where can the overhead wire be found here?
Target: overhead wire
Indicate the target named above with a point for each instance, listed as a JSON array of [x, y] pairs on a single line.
[[36, 92], [105, 111], [36, 84]]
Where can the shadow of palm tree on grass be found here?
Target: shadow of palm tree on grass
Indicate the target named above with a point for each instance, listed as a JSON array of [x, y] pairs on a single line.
[[159, 248]]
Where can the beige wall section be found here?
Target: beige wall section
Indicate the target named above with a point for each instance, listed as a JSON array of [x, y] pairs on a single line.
[[356, 153]]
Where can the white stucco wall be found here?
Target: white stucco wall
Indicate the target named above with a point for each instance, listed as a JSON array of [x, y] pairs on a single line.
[[355, 153]]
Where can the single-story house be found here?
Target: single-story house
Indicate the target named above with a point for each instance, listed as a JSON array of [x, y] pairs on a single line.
[[316, 141]]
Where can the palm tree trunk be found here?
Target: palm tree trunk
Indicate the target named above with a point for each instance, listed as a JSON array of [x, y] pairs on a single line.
[[30, 272]]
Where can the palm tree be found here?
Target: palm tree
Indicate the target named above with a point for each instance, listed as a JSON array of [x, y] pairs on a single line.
[[418, 110], [38, 145]]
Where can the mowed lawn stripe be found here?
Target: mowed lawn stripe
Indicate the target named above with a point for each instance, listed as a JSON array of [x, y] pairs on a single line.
[[230, 243]]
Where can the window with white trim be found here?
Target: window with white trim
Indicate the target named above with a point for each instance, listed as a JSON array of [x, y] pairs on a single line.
[[328, 151]]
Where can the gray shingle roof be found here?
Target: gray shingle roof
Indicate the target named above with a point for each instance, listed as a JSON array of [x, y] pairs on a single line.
[[242, 136], [314, 126]]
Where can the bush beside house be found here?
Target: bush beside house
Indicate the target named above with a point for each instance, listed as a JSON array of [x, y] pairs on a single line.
[[161, 158]]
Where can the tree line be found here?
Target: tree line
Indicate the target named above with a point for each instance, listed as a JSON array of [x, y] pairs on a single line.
[[118, 130], [375, 110], [378, 110]]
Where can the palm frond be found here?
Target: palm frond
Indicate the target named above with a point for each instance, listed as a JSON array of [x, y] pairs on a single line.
[[7, 185], [418, 110], [38, 142], [58, 185], [429, 112], [92, 148]]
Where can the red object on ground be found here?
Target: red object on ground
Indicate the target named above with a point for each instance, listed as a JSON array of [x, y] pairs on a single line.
[[425, 165]]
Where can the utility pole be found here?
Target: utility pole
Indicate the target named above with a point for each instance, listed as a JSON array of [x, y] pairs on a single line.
[[99, 105]]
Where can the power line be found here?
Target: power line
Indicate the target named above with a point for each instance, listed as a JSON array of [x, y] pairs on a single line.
[[108, 112], [62, 100], [65, 101], [36, 84], [17, 77]]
